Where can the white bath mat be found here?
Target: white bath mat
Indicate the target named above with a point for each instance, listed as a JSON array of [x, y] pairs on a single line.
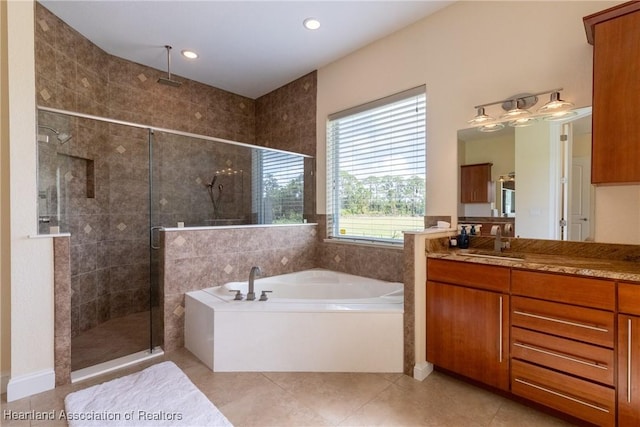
[[161, 395]]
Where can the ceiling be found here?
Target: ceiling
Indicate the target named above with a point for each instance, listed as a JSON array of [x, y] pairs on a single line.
[[246, 47]]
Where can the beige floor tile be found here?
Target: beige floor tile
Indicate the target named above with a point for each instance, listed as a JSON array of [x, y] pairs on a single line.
[[226, 387], [51, 401], [270, 405], [12, 411], [332, 395], [394, 407], [512, 414]]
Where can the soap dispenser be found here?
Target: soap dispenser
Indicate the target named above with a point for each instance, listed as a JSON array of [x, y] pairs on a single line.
[[463, 239]]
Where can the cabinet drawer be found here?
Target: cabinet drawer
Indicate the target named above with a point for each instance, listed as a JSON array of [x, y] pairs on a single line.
[[567, 321], [583, 399], [629, 298], [588, 292], [489, 277], [584, 360]]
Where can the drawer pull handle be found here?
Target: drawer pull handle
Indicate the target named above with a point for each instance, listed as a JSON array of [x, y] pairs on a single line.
[[564, 396], [500, 331], [629, 361], [561, 356], [564, 322]]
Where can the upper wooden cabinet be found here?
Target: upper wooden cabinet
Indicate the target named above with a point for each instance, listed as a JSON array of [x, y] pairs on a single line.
[[475, 183], [615, 34]]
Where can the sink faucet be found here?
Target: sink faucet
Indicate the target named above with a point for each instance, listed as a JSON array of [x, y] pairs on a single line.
[[497, 244], [251, 295]]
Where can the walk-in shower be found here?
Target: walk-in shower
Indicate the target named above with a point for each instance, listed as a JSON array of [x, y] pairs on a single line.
[[114, 184]]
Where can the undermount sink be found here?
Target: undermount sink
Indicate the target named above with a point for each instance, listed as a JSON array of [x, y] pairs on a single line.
[[497, 256]]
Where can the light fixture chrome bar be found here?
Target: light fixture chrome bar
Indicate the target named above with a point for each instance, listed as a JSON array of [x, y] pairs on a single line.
[[529, 95]]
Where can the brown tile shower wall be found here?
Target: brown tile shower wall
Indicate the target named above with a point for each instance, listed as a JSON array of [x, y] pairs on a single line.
[[198, 259], [286, 117]]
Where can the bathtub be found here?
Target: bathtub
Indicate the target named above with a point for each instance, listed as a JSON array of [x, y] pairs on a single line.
[[314, 321]]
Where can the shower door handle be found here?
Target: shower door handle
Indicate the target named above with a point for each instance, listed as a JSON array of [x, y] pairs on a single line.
[[153, 246]]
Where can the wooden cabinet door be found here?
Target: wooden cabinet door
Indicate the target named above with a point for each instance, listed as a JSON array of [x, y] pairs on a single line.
[[474, 183], [468, 332], [628, 370], [616, 128]]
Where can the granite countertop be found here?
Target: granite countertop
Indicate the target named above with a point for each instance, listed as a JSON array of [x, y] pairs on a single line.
[[582, 266]]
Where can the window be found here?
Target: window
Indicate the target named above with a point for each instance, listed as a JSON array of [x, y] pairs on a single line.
[[280, 177], [376, 168]]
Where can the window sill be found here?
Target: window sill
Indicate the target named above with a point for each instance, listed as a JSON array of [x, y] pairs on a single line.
[[357, 242]]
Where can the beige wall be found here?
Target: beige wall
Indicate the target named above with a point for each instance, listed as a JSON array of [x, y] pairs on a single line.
[[5, 288], [469, 53], [535, 211], [31, 259]]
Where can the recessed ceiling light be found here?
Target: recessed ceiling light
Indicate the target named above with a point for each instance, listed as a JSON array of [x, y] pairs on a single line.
[[189, 54], [311, 24]]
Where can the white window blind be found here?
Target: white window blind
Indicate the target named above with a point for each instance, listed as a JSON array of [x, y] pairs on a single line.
[[376, 168], [281, 178]]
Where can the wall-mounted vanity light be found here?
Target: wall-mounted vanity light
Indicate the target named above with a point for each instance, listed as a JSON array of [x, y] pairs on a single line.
[[517, 113], [511, 176]]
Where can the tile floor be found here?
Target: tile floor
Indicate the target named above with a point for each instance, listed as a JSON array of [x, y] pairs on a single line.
[[323, 399]]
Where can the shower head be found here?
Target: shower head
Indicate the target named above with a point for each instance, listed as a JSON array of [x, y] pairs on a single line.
[[61, 136], [168, 80]]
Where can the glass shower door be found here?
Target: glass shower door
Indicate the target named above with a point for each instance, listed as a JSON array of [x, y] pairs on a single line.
[[94, 184]]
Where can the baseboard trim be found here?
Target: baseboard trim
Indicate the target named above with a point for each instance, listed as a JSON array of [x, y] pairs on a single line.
[[422, 370], [30, 384]]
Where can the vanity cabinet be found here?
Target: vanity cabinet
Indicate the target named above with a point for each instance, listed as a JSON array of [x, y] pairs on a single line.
[[562, 343], [615, 35], [628, 354], [468, 320], [475, 183]]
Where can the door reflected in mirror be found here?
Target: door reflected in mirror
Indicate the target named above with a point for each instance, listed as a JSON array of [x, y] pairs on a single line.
[[552, 163], [508, 196]]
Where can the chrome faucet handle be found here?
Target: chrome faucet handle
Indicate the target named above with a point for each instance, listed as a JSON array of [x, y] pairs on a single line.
[[238, 296], [263, 296]]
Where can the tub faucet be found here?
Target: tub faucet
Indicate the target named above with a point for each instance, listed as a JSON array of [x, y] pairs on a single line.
[[251, 295], [497, 244]]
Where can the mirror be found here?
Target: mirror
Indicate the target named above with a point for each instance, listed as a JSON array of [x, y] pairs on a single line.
[[548, 164], [508, 197]]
